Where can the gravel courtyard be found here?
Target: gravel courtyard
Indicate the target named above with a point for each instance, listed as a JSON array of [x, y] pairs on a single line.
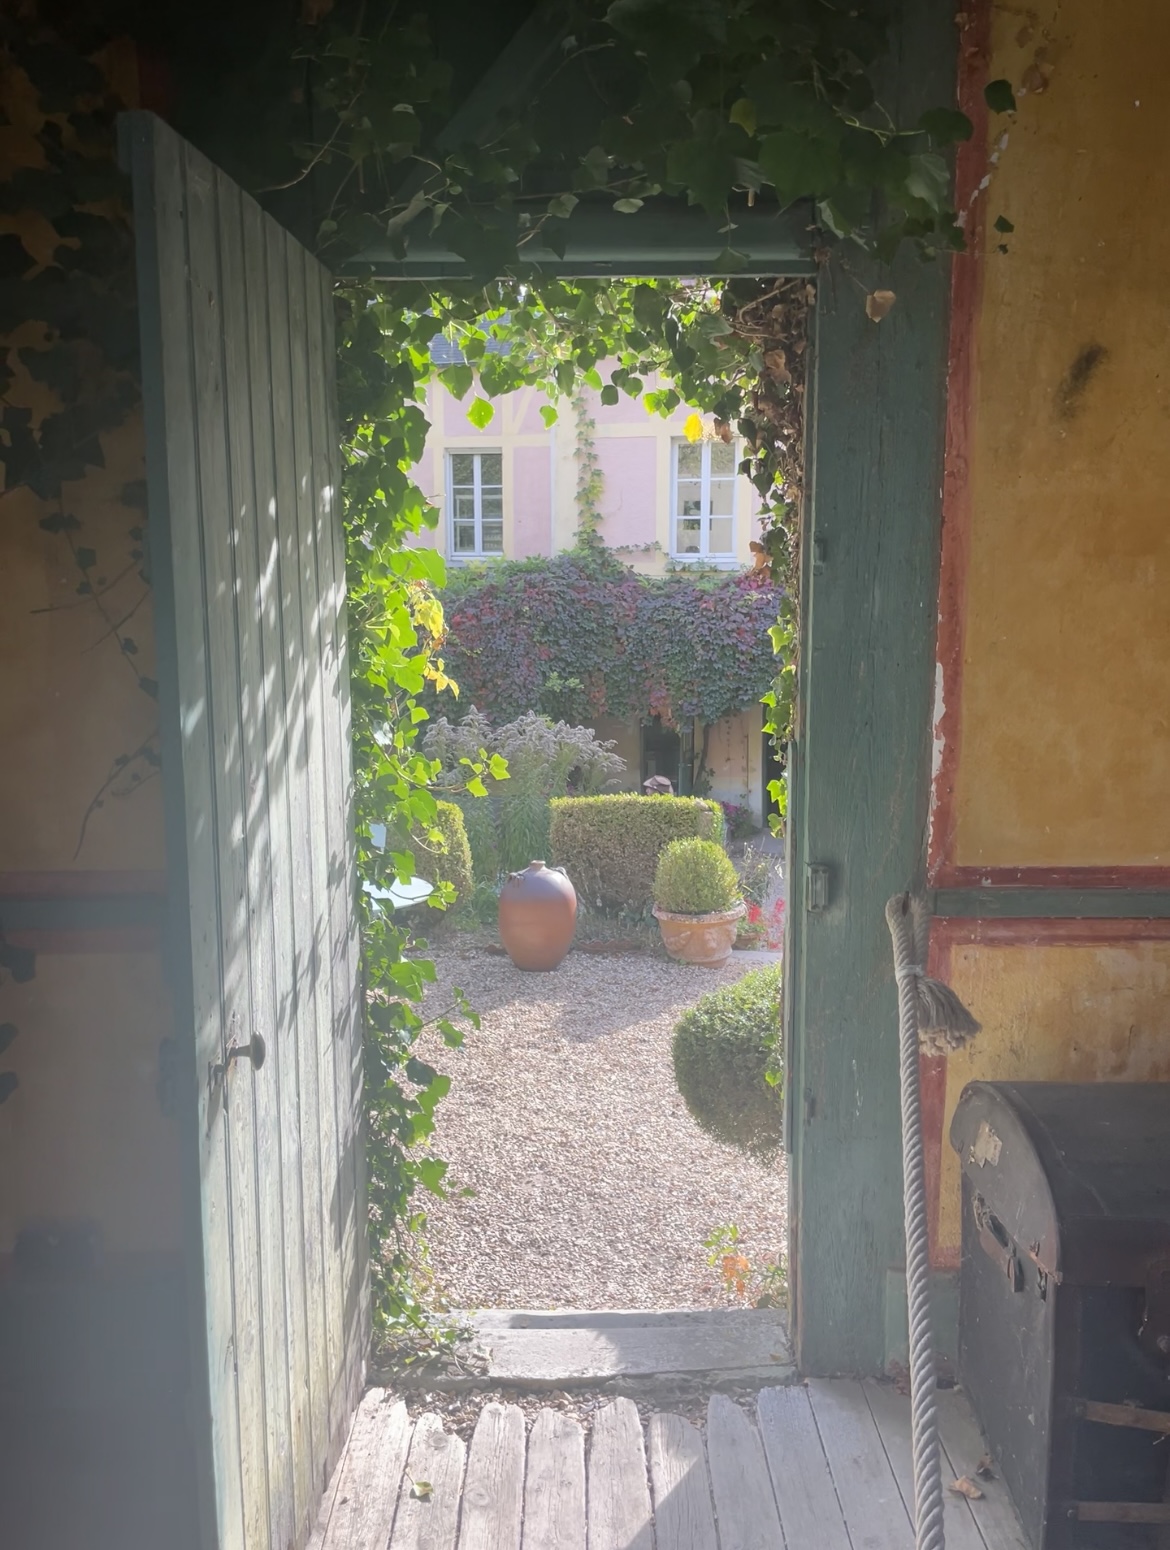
[[594, 1188]]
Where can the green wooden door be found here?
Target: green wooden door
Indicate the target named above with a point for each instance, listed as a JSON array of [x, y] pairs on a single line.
[[242, 464]]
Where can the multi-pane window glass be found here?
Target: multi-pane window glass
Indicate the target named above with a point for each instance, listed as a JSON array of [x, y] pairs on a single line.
[[704, 500], [477, 502]]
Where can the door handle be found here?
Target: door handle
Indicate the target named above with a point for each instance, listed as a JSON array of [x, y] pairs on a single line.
[[255, 1050]]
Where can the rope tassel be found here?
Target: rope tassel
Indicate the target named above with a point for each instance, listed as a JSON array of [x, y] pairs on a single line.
[[931, 1018], [944, 1023]]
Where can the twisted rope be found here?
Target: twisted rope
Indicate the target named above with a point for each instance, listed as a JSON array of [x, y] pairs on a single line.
[[930, 1017]]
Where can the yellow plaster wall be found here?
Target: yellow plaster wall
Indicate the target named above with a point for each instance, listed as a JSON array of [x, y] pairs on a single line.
[[1065, 738], [70, 700], [1083, 1013], [83, 1137]]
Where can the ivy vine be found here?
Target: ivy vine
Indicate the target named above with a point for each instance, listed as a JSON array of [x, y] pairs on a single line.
[[339, 123], [581, 636]]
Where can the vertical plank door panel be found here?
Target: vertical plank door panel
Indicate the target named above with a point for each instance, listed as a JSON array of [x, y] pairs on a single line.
[[619, 1495], [493, 1491], [268, 900], [683, 1515], [428, 1498], [235, 691], [176, 477], [554, 1484], [744, 1504], [290, 885], [810, 1513], [238, 376]]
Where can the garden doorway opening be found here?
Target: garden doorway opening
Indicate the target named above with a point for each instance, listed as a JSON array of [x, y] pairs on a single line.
[[586, 1178]]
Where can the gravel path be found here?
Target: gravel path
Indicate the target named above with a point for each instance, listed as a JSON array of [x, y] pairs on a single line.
[[594, 1188]]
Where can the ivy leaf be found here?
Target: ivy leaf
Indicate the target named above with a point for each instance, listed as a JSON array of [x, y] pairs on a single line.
[[705, 168], [457, 379], [548, 414], [929, 180], [743, 113], [498, 767], [563, 206], [595, 168], [1003, 224], [8, 1032], [693, 427], [9, 1082], [799, 166], [86, 558], [999, 96], [609, 394], [482, 413], [628, 206], [946, 126]]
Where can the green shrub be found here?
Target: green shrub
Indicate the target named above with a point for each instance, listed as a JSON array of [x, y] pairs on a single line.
[[545, 759], [609, 845], [695, 877], [479, 821], [448, 861], [726, 1053]]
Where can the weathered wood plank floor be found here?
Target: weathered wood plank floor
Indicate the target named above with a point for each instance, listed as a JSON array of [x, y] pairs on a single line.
[[819, 1467]]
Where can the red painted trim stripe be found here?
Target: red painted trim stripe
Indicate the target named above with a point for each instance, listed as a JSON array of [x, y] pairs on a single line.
[[1047, 932], [1052, 877], [971, 164]]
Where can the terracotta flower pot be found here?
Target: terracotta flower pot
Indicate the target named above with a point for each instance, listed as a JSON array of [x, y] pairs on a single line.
[[705, 940], [538, 915]]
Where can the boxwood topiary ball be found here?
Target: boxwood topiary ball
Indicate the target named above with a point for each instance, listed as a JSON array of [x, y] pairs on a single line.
[[723, 1050]]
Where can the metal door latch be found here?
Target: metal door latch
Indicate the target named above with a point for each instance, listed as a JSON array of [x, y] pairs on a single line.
[[816, 888], [255, 1051]]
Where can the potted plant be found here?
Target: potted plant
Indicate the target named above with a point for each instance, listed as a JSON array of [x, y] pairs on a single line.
[[697, 902]]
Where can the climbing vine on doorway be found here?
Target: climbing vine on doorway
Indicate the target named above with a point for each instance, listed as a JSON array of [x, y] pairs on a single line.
[[720, 104], [716, 103]]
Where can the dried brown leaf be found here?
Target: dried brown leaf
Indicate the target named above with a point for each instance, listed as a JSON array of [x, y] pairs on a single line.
[[985, 1469], [878, 305], [965, 1486]]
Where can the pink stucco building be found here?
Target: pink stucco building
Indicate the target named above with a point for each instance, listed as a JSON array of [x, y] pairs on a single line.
[[511, 491]]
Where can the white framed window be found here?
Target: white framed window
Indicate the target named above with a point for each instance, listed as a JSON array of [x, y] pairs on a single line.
[[702, 505], [475, 499]]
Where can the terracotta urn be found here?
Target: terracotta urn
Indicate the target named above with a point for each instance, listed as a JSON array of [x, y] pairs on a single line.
[[538, 915], [705, 940]]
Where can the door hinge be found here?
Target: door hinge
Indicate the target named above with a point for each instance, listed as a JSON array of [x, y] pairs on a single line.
[[816, 887]]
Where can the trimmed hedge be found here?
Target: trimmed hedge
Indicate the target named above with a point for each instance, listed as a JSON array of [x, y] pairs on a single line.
[[452, 864], [696, 877], [723, 1049], [609, 845]]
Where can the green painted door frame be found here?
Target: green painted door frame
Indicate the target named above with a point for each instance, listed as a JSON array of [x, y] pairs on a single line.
[[861, 765]]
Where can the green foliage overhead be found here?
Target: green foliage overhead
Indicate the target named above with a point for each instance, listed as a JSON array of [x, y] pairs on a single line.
[[695, 877], [582, 636], [726, 1053], [609, 845], [337, 123]]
